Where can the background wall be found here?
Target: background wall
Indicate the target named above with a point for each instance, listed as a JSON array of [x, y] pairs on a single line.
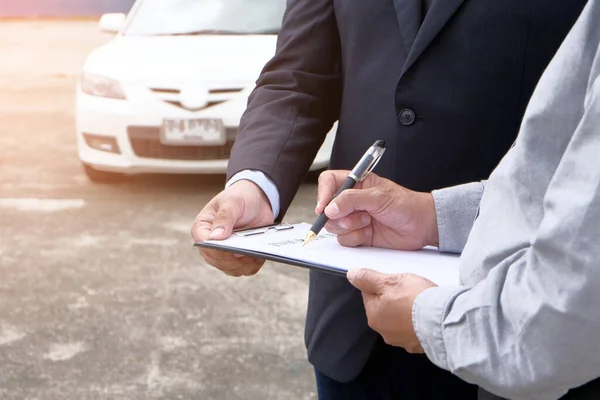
[[61, 8]]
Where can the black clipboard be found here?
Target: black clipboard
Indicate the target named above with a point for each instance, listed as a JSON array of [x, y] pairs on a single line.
[[270, 257]]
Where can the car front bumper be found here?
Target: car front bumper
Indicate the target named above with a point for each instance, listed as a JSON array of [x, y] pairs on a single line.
[[135, 130]]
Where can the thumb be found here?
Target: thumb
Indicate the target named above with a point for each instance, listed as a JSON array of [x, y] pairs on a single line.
[[366, 280], [225, 218]]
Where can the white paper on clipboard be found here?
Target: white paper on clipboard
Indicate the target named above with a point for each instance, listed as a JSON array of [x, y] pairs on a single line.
[[324, 250]]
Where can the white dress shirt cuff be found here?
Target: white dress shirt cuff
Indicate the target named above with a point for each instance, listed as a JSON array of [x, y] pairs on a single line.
[[428, 313], [456, 209], [261, 180]]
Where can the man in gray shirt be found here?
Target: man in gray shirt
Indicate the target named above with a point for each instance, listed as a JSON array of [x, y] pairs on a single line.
[[525, 321]]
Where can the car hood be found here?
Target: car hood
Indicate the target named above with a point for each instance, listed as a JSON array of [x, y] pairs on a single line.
[[162, 59]]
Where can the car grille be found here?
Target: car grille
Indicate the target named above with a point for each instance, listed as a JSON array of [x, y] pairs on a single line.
[[145, 142], [215, 95]]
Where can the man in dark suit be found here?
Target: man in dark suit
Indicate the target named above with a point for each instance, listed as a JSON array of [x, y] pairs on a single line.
[[443, 82]]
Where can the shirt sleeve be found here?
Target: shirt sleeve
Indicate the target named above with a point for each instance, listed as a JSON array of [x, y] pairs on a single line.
[[456, 209], [261, 180], [530, 329]]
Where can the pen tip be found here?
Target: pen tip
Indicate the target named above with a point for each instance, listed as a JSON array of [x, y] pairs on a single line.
[[308, 238]]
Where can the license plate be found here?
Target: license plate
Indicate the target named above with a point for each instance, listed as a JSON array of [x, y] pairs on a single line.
[[193, 132]]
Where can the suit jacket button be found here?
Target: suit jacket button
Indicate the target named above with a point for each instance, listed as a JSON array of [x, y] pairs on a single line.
[[407, 117]]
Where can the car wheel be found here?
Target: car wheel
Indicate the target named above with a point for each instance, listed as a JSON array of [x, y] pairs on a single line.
[[95, 175]]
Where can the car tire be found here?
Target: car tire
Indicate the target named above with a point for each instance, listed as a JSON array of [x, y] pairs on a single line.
[[98, 176]]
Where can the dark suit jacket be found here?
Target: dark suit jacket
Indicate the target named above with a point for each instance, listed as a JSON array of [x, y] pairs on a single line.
[[447, 96]]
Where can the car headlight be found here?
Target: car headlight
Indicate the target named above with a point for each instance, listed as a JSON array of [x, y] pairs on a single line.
[[101, 86]]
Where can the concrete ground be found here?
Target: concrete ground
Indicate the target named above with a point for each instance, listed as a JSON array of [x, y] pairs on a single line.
[[101, 294]]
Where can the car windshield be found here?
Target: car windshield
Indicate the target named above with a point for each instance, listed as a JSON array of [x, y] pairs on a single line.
[[210, 17]]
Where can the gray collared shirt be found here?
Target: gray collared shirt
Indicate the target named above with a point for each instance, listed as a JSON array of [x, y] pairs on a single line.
[[525, 322]]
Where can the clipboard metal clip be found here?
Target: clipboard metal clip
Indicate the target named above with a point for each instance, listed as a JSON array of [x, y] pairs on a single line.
[[263, 229]]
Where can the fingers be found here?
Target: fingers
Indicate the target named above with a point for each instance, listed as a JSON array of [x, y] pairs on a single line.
[[232, 265], [216, 221], [361, 237], [350, 223], [368, 281], [351, 200], [217, 218], [353, 230], [329, 183], [243, 204]]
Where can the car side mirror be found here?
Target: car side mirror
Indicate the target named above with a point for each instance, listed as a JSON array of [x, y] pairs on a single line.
[[112, 23]]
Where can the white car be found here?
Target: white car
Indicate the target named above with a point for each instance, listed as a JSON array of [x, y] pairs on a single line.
[[166, 94]]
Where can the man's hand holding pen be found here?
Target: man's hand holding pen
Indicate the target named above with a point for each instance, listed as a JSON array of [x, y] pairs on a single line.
[[361, 170], [377, 212]]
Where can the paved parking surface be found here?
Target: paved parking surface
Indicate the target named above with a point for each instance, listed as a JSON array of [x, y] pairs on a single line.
[[101, 294]]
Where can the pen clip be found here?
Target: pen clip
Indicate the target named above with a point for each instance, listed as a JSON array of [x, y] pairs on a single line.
[[378, 153]]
